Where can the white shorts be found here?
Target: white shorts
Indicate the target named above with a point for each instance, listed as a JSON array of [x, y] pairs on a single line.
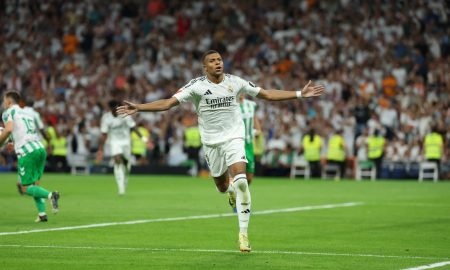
[[219, 157], [121, 149]]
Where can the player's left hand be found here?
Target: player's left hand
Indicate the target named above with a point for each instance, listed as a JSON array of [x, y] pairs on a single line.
[[312, 91]]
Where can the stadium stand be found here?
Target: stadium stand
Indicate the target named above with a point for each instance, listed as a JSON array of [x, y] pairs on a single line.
[[385, 67]]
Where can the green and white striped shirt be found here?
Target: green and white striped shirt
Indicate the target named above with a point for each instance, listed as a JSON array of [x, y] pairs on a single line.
[[25, 134], [248, 109]]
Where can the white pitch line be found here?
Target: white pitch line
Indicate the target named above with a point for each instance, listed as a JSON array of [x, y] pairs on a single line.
[[429, 266], [193, 250], [132, 222]]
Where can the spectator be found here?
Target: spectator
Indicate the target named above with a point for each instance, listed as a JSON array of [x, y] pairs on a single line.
[[311, 148], [434, 147], [144, 48], [376, 145], [337, 151]]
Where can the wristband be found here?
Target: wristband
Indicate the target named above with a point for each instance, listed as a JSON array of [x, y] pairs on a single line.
[[299, 94]]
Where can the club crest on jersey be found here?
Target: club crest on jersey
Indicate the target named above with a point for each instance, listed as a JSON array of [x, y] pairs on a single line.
[[230, 89]]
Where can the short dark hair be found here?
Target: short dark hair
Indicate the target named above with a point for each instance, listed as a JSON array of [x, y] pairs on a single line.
[[113, 104], [14, 95], [208, 53]]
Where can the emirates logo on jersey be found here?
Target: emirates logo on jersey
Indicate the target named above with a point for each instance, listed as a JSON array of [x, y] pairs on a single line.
[[221, 102]]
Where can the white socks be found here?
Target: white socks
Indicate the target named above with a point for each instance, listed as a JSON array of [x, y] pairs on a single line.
[[119, 173], [243, 201]]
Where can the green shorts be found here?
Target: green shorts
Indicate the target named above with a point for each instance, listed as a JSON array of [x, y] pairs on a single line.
[[31, 167], [250, 155]]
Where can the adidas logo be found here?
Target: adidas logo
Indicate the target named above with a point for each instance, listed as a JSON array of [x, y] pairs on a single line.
[[208, 92], [246, 211]]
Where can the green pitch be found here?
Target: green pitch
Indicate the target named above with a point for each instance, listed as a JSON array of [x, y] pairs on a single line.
[[392, 225]]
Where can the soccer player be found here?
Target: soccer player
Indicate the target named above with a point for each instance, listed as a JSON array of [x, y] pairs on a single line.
[[20, 125], [221, 126], [39, 126], [118, 131]]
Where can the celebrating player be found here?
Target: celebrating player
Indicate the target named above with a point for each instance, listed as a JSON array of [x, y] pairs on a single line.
[[221, 126], [30, 152]]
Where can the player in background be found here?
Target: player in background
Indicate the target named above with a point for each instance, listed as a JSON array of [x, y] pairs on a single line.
[[252, 129], [20, 125], [39, 126], [215, 97], [118, 131]]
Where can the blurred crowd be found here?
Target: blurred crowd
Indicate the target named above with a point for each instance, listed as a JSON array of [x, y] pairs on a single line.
[[385, 65]]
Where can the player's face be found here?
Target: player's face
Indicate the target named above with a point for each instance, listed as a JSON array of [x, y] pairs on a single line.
[[213, 65]]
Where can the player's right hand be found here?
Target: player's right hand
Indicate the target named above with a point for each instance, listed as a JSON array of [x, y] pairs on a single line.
[[129, 108]]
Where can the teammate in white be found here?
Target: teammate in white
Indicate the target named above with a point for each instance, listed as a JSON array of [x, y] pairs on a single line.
[[221, 126], [117, 131]]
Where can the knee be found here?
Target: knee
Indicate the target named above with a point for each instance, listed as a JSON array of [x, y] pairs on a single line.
[[240, 182]]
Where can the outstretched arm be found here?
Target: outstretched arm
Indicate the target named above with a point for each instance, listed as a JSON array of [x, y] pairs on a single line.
[[279, 95], [160, 105]]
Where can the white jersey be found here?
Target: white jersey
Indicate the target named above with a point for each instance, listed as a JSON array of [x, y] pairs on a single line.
[[117, 128], [25, 134], [217, 106]]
